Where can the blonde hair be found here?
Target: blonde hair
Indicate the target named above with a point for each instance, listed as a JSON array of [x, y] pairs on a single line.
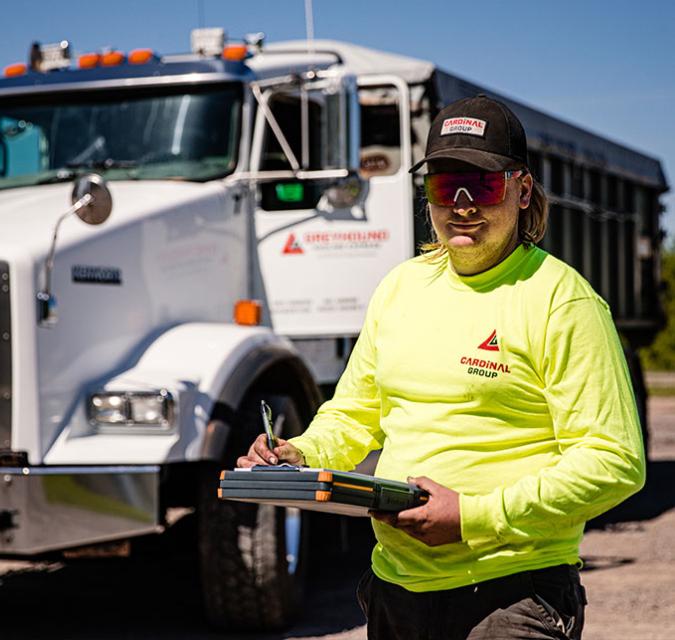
[[533, 220], [532, 223]]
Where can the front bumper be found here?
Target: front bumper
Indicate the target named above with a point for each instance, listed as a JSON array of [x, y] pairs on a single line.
[[53, 508]]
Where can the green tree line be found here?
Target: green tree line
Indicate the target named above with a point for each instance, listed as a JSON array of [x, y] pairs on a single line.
[[660, 355]]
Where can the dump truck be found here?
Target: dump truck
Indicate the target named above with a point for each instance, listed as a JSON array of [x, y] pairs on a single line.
[[185, 235]]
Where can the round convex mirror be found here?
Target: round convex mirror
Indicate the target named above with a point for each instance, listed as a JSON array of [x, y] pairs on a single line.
[[98, 209]]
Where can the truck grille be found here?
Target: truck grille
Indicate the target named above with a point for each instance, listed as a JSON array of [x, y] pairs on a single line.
[[5, 359]]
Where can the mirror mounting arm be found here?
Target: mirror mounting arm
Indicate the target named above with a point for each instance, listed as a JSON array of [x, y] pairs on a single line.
[[49, 262], [274, 125], [92, 203]]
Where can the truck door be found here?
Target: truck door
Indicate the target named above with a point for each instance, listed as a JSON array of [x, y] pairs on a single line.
[[320, 264]]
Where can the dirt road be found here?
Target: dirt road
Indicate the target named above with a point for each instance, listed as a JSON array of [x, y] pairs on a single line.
[[630, 564], [629, 575]]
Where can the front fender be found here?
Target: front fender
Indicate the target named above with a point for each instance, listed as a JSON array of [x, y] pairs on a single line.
[[199, 364]]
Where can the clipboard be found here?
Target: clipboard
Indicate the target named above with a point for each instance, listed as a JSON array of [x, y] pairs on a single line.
[[341, 492]]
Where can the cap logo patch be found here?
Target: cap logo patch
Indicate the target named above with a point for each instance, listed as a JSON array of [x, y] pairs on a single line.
[[464, 125]]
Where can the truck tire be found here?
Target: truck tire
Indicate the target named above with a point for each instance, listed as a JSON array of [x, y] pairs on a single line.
[[251, 556]]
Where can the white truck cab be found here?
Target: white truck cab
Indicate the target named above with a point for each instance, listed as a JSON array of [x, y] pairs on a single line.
[[252, 217]]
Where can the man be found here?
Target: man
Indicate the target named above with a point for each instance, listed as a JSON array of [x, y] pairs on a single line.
[[490, 374]]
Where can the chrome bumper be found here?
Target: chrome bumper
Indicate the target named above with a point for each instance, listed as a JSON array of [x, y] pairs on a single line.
[[51, 508]]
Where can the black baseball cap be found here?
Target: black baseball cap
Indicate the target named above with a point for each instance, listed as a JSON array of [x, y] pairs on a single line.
[[481, 132]]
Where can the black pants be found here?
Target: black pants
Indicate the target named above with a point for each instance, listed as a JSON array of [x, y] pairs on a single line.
[[544, 604]]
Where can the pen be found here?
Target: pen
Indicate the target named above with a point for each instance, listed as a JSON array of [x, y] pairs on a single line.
[[267, 421]]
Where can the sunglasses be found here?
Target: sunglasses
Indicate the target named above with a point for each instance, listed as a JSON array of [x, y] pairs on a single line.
[[481, 188]]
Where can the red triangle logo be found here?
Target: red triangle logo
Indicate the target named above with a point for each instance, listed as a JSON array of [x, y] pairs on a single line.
[[292, 245], [491, 343]]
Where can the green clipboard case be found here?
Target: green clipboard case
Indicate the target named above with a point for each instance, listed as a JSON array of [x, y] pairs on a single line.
[[342, 492]]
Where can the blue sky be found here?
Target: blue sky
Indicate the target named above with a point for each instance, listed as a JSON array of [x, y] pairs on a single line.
[[608, 66]]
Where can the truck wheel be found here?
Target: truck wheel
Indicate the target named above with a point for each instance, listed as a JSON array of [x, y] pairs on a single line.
[[251, 556]]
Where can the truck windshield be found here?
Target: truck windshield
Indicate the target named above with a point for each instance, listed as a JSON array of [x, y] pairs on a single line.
[[188, 133]]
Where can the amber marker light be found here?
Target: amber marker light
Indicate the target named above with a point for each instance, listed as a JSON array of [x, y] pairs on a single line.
[[112, 58], [247, 312], [141, 56], [14, 70], [235, 52], [89, 60]]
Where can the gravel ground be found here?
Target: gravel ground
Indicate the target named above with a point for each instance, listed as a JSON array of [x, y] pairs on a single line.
[[630, 580], [629, 576], [630, 565]]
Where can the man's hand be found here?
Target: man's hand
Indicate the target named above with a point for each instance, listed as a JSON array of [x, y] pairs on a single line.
[[260, 454], [435, 523]]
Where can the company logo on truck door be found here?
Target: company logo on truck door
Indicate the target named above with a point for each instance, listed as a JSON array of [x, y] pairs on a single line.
[[326, 241], [292, 245], [463, 124]]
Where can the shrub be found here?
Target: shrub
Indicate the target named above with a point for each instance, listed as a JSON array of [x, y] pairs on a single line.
[[660, 355]]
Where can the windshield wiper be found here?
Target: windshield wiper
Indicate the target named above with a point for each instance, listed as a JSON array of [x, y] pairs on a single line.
[[74, 169], [108, 163], [57, 175]]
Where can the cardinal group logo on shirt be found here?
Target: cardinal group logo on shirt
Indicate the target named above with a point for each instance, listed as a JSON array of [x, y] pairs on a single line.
[[491, 344], [483, 367]]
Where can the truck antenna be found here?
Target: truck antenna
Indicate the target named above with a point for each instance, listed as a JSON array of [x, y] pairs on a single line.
[[200, 13], [309, 25]]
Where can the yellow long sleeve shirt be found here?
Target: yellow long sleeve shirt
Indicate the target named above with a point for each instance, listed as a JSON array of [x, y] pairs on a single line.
[[509, 387]]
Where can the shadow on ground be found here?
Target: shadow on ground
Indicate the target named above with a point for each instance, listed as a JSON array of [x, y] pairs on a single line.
[[656, 497], [155, 593]]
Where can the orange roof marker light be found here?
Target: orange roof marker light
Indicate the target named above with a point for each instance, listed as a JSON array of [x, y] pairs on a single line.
[[235, 52], [112, 59], [89, 60], [248, 312], [14, 70], [141, 56]]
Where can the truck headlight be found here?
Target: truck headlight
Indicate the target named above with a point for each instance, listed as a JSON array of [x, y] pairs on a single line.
[[129, 408]]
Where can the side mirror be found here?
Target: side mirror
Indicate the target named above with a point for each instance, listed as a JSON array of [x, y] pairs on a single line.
[[346, 193], [92, 203], [94, 199], [343, 123]]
